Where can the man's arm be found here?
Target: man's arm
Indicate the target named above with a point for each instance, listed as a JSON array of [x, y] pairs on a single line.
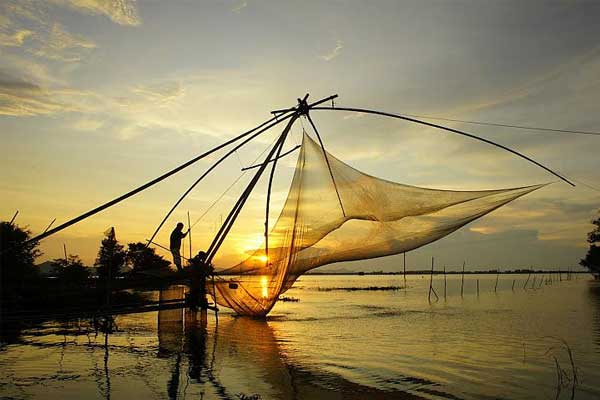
[[185, 234]]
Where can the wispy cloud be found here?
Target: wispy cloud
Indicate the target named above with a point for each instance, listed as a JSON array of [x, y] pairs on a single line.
[[241, 5], [339, 45], [122, 12], [58, 44]]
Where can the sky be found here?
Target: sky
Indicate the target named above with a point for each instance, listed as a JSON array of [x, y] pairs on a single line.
[[98, 97]]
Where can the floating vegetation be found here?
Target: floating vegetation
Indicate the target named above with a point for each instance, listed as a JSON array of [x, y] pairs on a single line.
[[356, 289], [289, 299]]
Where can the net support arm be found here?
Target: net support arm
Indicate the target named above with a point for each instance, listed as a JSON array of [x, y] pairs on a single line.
[[226, 226], [327, 161], [417, 121], [146, 185], [212, 167]]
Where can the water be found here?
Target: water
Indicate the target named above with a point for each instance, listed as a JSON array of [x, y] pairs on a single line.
[[332, 344]]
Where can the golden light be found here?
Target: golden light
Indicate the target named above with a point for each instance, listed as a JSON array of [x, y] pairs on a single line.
[[263, 258], [264, 285]]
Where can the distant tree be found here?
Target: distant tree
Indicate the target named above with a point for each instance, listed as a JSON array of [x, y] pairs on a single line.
[[111, 256], [592, 258], [16, 257], [71, 271], [142, 258]]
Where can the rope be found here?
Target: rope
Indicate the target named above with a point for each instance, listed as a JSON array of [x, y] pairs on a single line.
[[463, 133], [531, 128]]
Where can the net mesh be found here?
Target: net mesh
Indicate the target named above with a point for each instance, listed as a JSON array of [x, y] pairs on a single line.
[[371, 218]]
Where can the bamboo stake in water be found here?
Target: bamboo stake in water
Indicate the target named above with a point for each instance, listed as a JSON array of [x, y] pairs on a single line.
[[431, 289], [462, 280], [497, 276], [513, 286], [527, 281], [445, 283], [65, 250], [477, 287], [430, 281], [404, 270], [533, 283]]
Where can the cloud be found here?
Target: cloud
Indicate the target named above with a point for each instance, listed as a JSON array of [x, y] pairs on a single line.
[[242, 4], [122, 12], [19, 97], [339, 45], [58, 44], [161, 93]]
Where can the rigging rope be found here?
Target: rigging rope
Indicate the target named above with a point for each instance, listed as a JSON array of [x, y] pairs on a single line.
[[532, 128], [463, 133]]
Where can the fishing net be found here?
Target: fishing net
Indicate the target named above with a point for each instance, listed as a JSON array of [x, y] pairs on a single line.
[[336, 213]]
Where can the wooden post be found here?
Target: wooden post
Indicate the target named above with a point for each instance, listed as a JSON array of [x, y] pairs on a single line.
[[462, 280], [497, 276], [477, 287], [513, 286], [404, 270], [65, 250], [190, 234], [431, 289], [527, 281], [445, 283], [430, 281]]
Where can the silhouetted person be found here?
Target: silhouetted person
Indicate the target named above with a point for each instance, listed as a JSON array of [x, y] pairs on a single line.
[[175, 245], [199, 271]]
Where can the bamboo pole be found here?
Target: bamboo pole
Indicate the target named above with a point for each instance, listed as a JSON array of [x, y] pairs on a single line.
[[404, 270], [228, 223], [477, 287], [430, 281], [533, 283], [65, 251], [49, 225], [445, 283], [210, 169], [463, 133], [190, 234], [496, 285], [513, 286], [431, 289], [14, 217], [150, 183], [462, 280], [527, 281]]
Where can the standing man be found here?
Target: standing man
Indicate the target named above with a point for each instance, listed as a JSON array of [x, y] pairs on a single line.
[[175, 245]]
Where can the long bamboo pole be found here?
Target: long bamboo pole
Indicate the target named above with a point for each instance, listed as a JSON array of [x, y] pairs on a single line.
[[228, 223], [210, 169], [463, 133], [147, 184]]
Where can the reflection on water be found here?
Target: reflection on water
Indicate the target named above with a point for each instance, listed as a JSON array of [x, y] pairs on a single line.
[[594, 295], [331, 344]]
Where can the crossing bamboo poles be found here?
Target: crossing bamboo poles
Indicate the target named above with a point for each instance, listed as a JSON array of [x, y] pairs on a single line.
[[212, 168], [148, 184], [233, 214]]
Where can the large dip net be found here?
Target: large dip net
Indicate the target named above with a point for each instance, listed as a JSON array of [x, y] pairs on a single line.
[[335, 213]]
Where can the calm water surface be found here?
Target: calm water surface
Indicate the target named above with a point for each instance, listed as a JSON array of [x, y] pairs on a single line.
[[333, 343]]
